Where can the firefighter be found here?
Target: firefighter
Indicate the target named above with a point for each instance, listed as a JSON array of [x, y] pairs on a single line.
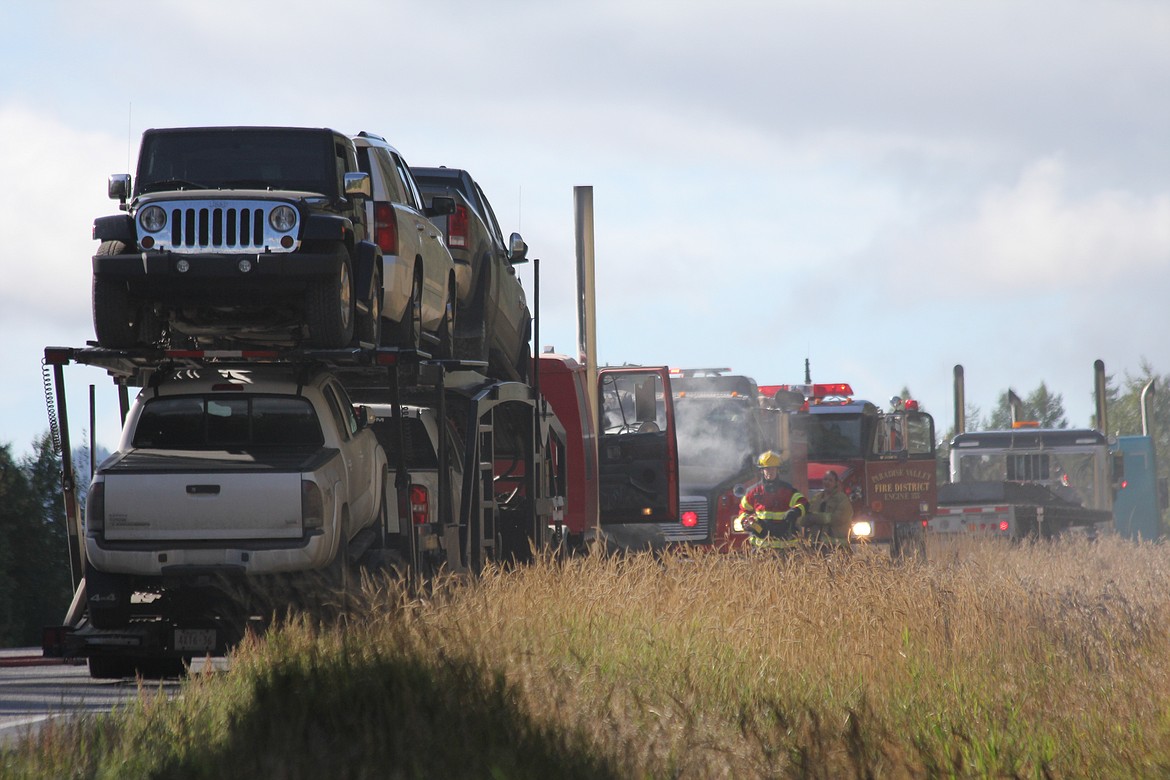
[[771, 510], [830, 514]]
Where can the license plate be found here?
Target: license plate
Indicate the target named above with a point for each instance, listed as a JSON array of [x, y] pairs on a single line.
[[194, 640]]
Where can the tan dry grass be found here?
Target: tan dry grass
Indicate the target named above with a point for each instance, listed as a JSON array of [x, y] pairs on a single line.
[[991, 660]]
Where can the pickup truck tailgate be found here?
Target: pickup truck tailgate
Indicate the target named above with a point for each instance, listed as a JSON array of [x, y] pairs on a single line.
[[206, 495]]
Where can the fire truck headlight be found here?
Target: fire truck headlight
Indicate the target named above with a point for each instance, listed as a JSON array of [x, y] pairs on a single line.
[[923, 508], [862, 529]]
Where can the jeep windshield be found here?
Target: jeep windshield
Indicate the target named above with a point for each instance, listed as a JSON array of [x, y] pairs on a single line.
[[238, 158]]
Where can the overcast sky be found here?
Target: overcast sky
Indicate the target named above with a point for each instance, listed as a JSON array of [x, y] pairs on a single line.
[[885, 188]]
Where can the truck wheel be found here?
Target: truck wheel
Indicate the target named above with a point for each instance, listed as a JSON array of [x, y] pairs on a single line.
[[447, 327], [110, 667], [908, 545], [329, 309], [408, 332], [475, 346], [116, 320], [524, 359], [369, 325]]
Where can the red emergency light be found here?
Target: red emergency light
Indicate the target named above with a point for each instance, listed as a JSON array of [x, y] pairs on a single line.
[[835, 390], [689, 519], [769, 391]]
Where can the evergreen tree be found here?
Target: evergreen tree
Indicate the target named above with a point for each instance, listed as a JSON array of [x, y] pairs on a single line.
[[35, 586], [1041, 406], [55, 586], [18, 530]]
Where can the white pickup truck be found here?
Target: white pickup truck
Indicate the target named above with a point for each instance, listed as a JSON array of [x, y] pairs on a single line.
[[224, 480]]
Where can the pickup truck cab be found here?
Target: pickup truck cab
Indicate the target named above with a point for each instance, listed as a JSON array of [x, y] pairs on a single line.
[[495, 323], [418, 275], [226, 475]]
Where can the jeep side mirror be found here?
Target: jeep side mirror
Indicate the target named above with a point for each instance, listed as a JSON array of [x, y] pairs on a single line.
[[517, 249], [362, 413], [118, 187], [441, 206], [357, 185]]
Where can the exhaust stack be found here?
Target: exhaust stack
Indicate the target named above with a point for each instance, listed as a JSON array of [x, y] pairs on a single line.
[[1016, 404], [1147, 399], [960, 402], [1099, 396]]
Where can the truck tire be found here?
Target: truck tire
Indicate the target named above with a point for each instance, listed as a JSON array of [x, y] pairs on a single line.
[[408, 331], [475, 346], [908, 545], [116, 320], [524, 359], [110, 667], [447, 326], [369, 324], [329, 306]]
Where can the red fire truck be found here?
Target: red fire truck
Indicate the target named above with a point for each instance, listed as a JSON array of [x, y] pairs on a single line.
[[885, 459]]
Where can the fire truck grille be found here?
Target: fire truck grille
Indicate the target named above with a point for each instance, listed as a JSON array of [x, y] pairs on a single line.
[[219, 226], [675, 532]]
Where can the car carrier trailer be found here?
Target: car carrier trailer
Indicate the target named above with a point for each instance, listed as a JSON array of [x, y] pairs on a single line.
[[509, 506]]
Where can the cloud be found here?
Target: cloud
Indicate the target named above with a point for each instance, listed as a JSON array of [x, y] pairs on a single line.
[[55, 179], [1036, 236]]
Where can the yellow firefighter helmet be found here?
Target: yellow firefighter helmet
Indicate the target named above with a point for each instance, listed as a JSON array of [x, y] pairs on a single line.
[[768, 460]]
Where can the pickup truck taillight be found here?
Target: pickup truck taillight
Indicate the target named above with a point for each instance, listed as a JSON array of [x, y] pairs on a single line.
[[95, 509], [457, 227], [386, 228], [312, 506], [419, 501]]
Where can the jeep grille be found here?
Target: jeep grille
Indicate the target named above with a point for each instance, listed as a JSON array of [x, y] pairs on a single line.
[[219, 226]]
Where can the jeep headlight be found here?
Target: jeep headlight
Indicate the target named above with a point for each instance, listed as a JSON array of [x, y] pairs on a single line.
[[152, 219], [862, 529], [283, 218]]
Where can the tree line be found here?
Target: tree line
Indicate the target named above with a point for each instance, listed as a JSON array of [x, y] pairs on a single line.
[[35, 581]]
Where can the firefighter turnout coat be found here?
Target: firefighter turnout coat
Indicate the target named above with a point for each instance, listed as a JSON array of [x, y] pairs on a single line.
[[830, 515], [777, 506]]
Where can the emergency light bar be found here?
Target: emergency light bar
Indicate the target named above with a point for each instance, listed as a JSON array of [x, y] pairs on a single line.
[[838, 390], [687, 372]]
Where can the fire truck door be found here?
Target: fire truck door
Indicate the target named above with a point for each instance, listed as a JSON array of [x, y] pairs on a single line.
[[637, 452]]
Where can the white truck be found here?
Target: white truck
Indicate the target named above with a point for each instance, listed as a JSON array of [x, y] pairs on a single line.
[[224, 505], [232, 489]]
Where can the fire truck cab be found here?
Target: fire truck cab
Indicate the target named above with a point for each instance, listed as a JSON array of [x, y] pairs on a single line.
[[886, 460]]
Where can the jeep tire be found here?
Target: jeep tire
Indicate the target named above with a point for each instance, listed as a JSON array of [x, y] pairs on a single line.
[[116, 321], [329, 305]]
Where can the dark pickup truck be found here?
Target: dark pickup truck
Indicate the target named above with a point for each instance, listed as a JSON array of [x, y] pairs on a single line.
[[495, 322]]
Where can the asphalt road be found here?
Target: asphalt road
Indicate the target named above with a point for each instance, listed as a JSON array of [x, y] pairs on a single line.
[[34, 690]]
